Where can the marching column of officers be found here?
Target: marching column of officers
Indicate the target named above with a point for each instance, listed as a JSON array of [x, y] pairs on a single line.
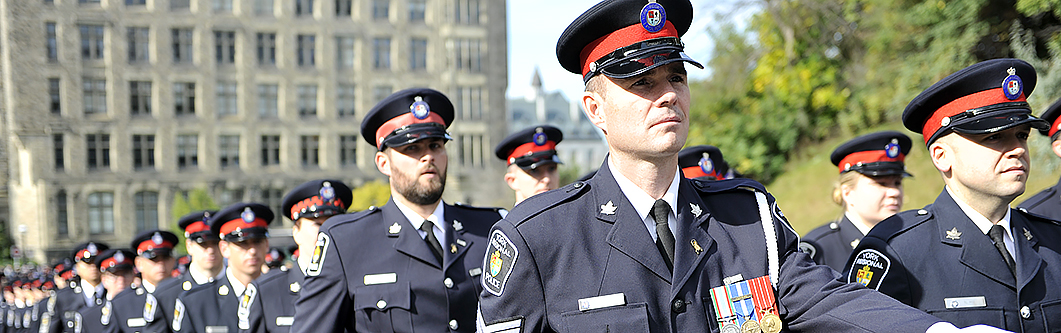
[[659, 239]]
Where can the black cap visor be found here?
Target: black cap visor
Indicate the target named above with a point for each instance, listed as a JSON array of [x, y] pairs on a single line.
[[878, 169], [415, 132], [535, 160], [999, 121], [203, 236], [321, 211], [118, 268], [245, 234], [640, 58], [160, 253]]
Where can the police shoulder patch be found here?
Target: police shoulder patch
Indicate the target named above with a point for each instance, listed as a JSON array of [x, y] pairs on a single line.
[[244, 311], [77, 322], [500, 257], [869, 268], [320, 250], [178, 315]]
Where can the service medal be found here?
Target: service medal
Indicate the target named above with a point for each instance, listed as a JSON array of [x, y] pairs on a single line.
[[731, 328], [750, 326], [771, 323]]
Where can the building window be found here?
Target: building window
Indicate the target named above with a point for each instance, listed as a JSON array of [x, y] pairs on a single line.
[[91, 41], [470, 150], [57, 148], [62, 215], [95, 95], [184, 98], [263, 7], [228, 151], [310, 150], [380, 92], [138, 44], [182, 46], [140, 97], [348, 150], [222, 6], [88, 1], [143, 152], [307, 100], [467, 12], [146, 211], [51, 48], [230, 196], [303, 7], [54, 99], [469, 55], [267, 49], [468, 103], [342, 7], [180, 4], [225, 46], [187, 151], [381, 53], [417, 8], [381, 9], [344, 52], [418, 54], [345, 101], [307, 50], [273, 198], [270, 150], [99, 151], [267, 100], [101, 212], [135, 2], [226, 98]]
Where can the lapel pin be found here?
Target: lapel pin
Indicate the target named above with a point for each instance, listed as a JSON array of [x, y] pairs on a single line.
[[1027, 234], [395, 228], [696, 247], [608, 208], [854, 243], [453, 248], [954, 234], [461, 242]]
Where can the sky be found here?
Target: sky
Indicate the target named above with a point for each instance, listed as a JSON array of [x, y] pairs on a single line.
[[535, 25]]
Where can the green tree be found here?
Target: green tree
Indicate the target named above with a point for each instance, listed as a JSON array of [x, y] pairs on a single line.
[[198, 199], [374, 193]]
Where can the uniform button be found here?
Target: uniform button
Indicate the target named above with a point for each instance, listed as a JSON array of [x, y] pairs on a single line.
[[678, 305], [453, 324], [922, 212], [1025, 312], [448, 282], [381, 304]]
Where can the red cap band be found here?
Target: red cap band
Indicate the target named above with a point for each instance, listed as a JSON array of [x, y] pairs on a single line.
[[239, 223], [968, 102], [1054, 127], [315, 200], [530, 148], [83, 254], [111, 262], [195, 227], [618, 39], [696, 172], [404, 120], [868, 156], [149, 245]]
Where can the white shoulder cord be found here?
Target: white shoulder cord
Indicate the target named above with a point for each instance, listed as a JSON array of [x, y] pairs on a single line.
[[774, 263]]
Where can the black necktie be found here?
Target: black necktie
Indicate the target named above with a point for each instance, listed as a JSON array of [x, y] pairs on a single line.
[[996, 234], [664, 238], [431, 240]]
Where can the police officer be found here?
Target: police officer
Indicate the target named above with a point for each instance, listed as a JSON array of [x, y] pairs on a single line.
[[201, 244], [137, 309], [532, 160], [83, 291], [274, 259], [969, 258], [413, 264], [1048, 202], [643, 249], [244, 232], [307, 206], [870, 189], [116, 268], [704, 162]]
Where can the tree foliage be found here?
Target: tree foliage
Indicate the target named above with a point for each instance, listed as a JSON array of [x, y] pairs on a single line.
[[374, 193], [197, 199]]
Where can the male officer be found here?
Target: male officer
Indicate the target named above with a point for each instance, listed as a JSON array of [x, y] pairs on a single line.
[[870, 189], [212, 307], [116, 270], [704, 162], [532, 160], [969, 258], [308, 206], [413, 264], [201, 244], [274, 259], [624, 260], [137, 309], [82, 292], [1048, 202]]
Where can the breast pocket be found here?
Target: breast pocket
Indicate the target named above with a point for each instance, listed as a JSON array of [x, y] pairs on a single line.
[[383, 308], [1052, 316], [627, 318], [972, 316]]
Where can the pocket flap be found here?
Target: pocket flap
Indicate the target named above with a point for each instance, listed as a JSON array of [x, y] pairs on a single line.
[[383, 297]]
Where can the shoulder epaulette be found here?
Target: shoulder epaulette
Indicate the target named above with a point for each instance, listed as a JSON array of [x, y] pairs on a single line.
[[900, 222], [543, 201], [711, 186], [1033, 216], [464, 205], [1039, 198], [350, 217]]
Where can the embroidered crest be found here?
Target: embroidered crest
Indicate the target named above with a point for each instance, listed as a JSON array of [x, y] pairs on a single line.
[[419, 108], [652, 17], [319, 252], [501, 256], [954, 234], [869, 268], [608, 208]]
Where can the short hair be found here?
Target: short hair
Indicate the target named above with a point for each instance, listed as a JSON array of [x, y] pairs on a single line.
[[596, 84]]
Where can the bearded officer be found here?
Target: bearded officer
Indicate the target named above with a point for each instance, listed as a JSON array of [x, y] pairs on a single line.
[[643, 249], [704, 162], [116, 270], [137, 309], [1048, 202], [214, 306], [532, 160], [307, 206], [413, 264], [969, 258]]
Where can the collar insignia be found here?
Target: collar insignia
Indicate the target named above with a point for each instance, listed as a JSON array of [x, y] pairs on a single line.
[[457, 225], [954, 234], [1027, 234], [395, 228], [696, 247], [608, 209], [695, 209]]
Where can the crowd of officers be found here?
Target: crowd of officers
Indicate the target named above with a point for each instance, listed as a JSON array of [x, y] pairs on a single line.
[[659, 239]]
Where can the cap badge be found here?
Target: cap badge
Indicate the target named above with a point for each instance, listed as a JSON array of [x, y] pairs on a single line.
[[892, 150], [119, 257], [247, 215], [157, 239], [91, 248], [327, 192], [1012, 85], [652, 16], [539, 137], [206, 217], [419, 108], [706, 165]]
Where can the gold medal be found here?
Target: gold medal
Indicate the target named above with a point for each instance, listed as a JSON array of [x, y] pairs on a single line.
[[771, 323], [750, 326]]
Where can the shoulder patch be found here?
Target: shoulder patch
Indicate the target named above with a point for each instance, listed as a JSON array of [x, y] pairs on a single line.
[[178, 315], [501, 255], [150, 305], [320, 250], [77, 322], [869, 268]]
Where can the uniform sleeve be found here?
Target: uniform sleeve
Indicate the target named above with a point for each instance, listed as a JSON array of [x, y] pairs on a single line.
[[323, 303], [875, 265], [251, 313], [513, 299]]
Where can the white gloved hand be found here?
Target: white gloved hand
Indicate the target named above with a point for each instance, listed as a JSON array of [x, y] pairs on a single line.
[[945, 327]]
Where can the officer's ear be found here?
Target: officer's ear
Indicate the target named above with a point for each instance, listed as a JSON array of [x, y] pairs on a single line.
[[510, 179], [592, 102], [942, 153], [383, 163], [1056, 147]]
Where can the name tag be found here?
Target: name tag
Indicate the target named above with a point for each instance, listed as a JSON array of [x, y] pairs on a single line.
[[217, 329], [285, 321], [475, 271], [136, 322], [371, 279], [965, 302], [598, 302]]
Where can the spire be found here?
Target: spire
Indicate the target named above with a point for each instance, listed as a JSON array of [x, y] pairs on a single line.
[[536, 79]]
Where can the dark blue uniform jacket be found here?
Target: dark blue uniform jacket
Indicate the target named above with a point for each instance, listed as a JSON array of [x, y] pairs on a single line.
[[831, 244], [1046, 203], [271, 307]]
